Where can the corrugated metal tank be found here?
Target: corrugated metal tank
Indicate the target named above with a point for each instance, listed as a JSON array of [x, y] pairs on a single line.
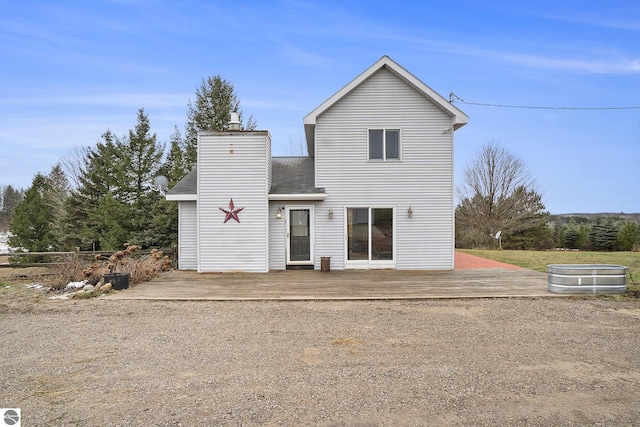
[[587, 278]]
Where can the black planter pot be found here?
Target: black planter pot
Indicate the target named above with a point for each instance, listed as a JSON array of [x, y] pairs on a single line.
[[119, 281]]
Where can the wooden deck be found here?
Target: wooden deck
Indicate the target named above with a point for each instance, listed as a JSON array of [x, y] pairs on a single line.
[[341, 285]]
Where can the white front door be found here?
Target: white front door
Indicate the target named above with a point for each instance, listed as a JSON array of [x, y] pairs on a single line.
[[299, 225]]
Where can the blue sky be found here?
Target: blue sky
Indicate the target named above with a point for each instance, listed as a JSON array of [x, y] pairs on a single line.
[[73, 69]]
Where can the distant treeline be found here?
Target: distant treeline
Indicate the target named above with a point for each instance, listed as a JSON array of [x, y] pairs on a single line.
[[586, 217], [599, 232]]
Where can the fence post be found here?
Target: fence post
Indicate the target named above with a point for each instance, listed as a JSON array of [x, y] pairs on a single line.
[[76, 255]]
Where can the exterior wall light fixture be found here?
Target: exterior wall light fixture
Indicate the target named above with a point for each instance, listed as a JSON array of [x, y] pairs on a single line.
[[410, 212], [330, 213], [279, 213]]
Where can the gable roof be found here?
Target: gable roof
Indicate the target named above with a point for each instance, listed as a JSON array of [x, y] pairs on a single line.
[[460, 118]]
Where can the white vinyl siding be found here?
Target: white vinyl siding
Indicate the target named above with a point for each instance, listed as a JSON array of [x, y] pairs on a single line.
[[187, 237], [423, 180], [233, 165], [277, 238]]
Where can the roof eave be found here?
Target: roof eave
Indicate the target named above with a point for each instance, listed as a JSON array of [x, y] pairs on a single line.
[[181, 197], [298, 196]]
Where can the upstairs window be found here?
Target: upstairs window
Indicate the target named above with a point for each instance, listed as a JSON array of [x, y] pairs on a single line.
[[384, 144]]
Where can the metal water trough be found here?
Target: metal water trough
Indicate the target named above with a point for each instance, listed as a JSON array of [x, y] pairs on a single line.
[[587, 278]]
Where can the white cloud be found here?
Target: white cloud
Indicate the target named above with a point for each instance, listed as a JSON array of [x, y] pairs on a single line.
[[127, 100], [302, 57], [589, 65]]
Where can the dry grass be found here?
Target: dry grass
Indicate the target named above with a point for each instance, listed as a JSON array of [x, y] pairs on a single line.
[[74, 269], [139, 269]]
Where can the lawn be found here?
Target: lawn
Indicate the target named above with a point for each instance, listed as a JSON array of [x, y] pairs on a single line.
[[538, 260]]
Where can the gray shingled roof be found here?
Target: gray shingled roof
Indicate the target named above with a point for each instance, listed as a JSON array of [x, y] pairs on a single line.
[[293, 175], [187, 185], [289, 175]]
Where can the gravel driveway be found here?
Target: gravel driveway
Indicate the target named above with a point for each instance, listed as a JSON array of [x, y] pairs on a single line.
[[497, 362]]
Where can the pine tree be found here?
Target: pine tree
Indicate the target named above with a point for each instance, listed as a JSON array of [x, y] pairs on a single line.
[[603, 235], [31, 228], [175, 166], [139, 160], [56, 196], [97, 178], [628, 236], [215, 100], [9, 199]]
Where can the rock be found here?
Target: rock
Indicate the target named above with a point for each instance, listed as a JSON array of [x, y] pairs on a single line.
[[89, 288], [98, 287], [63, 296], [106, 287]]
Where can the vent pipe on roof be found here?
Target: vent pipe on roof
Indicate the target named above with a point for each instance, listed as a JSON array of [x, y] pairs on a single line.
[[234, 123]]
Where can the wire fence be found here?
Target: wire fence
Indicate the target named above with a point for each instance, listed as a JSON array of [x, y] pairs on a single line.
[[48, 259]]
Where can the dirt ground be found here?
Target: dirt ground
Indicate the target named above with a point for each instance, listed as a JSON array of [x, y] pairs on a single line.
[[475, 362]]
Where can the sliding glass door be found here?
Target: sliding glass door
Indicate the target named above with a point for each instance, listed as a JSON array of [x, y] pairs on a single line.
[[370, 236]]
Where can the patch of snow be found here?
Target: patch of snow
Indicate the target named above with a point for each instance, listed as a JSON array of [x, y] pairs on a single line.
[[38, 286], [4, 242], [75, 285]]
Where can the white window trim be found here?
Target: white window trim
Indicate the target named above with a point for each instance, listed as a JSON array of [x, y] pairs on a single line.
[[384, 144], [375, 263]]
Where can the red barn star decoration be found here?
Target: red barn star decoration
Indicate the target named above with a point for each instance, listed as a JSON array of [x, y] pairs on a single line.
[[232, 212]]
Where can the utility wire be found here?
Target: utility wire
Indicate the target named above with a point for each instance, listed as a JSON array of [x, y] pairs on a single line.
[[453, 95]]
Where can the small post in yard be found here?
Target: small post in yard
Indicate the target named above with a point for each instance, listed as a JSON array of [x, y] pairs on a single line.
[[498, 237], [325, 264]]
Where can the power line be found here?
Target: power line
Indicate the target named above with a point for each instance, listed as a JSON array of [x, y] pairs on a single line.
[[453, 95]]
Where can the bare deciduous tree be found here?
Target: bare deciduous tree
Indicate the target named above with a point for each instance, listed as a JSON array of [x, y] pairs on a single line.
[[74, 163], [497, 195]]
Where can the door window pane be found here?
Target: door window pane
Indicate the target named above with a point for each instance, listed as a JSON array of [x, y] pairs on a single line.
[[370, 234], [382, 233], [299, 239], [358, 233]]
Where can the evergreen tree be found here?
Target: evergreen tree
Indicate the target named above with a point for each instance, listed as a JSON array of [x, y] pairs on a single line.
[[629, 236], [56, 196], [114, 202], [31, 223], [97, 178], [215, 99], [9, 199], [538, 238], [113, 223], [603, 235], [145, 155], [571, 238], [139, 161], [175, 166]]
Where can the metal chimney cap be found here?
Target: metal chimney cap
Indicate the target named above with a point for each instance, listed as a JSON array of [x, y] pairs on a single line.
[[234, 123]]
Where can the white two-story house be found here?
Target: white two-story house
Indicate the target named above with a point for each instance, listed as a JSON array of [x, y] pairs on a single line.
[[376, 190]]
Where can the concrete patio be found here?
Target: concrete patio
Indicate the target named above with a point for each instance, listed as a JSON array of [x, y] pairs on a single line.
[[341, 285]]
